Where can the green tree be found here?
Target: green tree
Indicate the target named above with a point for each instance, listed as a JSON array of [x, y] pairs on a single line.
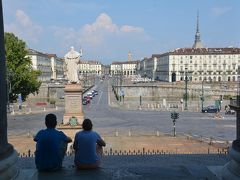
[[21, 76]]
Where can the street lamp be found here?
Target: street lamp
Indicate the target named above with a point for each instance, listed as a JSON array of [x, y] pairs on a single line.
[[186, 95], [121, 79], [9, 88], [202, 98]]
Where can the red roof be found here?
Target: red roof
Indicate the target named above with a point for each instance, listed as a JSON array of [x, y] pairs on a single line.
[[203, 51]]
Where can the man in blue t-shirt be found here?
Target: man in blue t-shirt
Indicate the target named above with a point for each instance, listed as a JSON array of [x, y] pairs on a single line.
[[51, 146], [88, 147]]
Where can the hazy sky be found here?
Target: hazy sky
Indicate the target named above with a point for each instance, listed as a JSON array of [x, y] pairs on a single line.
[[107, 30]]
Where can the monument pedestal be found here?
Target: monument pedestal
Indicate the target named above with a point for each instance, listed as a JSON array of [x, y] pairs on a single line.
[[73, 116], [69, 130], [73, 105]]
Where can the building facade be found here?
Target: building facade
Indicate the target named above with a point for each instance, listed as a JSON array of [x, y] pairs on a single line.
[[57, 66], [210, 64], [50, 65], [106, 69], [148, 67], [41, 62], [115, 68], [128, 68], [90, 67], [197, 63]]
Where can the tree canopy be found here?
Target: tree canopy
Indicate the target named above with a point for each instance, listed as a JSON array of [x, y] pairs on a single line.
[[21, 77]]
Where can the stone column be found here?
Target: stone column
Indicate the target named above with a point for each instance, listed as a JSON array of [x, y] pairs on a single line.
[[232, 169], [8, 156]]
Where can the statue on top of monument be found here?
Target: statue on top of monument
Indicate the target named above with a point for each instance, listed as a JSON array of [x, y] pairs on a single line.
[[72, 59]]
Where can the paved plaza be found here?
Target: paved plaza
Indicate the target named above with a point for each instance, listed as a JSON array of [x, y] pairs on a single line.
[[140, 143], [134, 128]]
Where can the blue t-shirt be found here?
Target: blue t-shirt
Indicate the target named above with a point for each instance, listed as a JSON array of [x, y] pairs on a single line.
[[85, 147], [49, 149]]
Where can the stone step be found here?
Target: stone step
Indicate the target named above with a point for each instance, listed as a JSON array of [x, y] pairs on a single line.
[[192, 166], [27, 174]]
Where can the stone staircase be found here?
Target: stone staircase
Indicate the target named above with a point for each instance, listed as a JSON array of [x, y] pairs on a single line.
[[168, 166]]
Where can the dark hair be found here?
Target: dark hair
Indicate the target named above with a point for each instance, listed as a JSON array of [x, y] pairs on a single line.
[[51, 120], [87, 125]]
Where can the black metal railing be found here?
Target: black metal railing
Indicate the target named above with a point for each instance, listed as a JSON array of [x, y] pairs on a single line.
[[140, 152]]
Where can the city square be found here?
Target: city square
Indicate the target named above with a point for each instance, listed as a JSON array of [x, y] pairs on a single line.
[[111, 93], [108, 118]]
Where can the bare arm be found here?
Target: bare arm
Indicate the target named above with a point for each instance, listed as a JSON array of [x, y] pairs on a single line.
[[69, 140], [75, 144], [101, 142]]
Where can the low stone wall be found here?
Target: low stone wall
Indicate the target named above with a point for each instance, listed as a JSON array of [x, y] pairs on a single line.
[[154, 92]]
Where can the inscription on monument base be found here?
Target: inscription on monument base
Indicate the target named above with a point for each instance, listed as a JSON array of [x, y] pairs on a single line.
[[73, 104]]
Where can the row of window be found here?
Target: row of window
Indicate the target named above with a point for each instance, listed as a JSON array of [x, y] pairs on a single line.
[[214, 68], [209, 62], [83, 72], [204, 56], [124, 72], [214, 78]]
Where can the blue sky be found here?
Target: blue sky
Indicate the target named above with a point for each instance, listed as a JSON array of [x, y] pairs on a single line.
[[108, 30]]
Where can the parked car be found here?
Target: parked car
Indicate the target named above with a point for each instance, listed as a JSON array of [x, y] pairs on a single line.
[[84, 102], [210, 109], [95, 92], [90, 95], [87, 98]]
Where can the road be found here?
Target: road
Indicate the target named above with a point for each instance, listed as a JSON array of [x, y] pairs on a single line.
[[108, 120]]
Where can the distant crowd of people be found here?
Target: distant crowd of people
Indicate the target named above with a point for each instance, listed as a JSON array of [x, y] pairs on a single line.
[[51, 146]]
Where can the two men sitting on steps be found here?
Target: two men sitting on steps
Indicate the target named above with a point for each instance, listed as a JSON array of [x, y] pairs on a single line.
[[52, 145]]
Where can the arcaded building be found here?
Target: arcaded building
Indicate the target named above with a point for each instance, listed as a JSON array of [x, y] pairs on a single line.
[[211, 64], [198, 63]]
